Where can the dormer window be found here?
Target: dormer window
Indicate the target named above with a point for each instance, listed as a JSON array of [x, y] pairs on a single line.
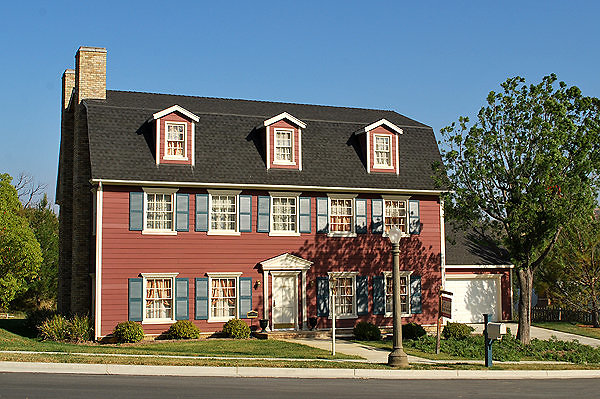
[[175, 130], [383, 151], [176, 140], [381, 146], [283, 142], [284, 148]]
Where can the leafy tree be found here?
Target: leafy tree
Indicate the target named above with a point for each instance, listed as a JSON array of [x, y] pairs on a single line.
[[20, 254], [525, 167], [571, 274]]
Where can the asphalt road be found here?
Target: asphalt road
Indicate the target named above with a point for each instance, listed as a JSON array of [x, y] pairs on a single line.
[[32, 386]]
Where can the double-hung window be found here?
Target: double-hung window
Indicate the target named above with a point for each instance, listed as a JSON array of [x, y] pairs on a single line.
[[383, 151], [223, 294], [341, 215], [158, 297], [175, 135], [223, 212], [284, 211], [395, 213], [159, 206], [404, 293], [344, 289], [284, 146]]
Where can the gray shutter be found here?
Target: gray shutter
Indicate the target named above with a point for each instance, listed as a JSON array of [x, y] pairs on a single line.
[[136, 298], [263, 218], [322, 215], [245, 213], [201, 304], [245, 297], [414, 219], [378, 295], [201, 212], [415, 294], [377, 216], [361, 216], [182, 303], [304, 215], [323, 296], [362, 295], [136, 211], [182, 215]]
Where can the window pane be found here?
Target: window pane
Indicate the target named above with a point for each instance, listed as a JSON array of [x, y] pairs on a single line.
[[283, 146], [159, 300], [223, 297], [395, 215], [383, 153], [223, 213], [341, 215], [284, 214], [344, 296], [159, 211], [389, 294], [175, 139]]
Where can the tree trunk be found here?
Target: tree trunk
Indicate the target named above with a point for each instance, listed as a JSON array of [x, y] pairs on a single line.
[[525, 278]]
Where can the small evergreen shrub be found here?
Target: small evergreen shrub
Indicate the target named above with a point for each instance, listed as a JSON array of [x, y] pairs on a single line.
[[412, 331], [183, 329], [36, 317], [457, 331], [128, 331], [365, 331], [80, 329], [56, 328], [236, 328]]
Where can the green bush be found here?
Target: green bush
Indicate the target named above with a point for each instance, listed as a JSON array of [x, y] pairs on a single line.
[[457, 331], [236, 328], [55, 328], [80, 329], [128, 331], [365, 331], [183, 329], [36, 317], [412, 331]]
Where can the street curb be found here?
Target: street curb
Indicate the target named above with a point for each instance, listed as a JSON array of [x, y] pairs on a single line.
[[272, 372]]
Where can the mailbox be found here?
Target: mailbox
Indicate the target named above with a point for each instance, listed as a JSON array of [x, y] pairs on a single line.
[[496, 330]]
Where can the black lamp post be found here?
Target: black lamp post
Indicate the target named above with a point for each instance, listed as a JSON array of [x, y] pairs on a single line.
[[397, 358]]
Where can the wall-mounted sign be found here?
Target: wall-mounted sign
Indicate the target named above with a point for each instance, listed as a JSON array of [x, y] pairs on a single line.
[[253, 314]]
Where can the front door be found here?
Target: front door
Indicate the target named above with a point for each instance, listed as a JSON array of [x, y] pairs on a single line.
[[284, 302]]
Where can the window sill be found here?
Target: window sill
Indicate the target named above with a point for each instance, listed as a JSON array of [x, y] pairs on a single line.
[[383, 167], [340, 234], [222, 233], [172, 158], [220, 320], [401, 315], [283, 234], [284, 163], [346, 316], [158, 321], [160, 232], [402, 235]]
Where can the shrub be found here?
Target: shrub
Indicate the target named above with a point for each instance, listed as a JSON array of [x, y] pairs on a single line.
[[235, 328], [55, 328], [365, 331], [457, 331], [412, 331], [80, 329], [128, 331], [36, 317], [183, 329]]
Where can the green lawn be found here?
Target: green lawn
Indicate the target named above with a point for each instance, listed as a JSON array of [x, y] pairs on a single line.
[[387, 344], [573, 328]]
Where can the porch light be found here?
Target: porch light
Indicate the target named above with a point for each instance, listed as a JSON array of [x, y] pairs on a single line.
[[397, 357]]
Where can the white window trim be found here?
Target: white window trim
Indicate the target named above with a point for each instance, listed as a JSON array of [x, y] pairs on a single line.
[[352, 275], [279, 233], [286, 130], [185, 149], [352, 232], [235, 275], [382, 166], [408, 293], [145, 277], [153, 190], [404, 198], [214, 232]]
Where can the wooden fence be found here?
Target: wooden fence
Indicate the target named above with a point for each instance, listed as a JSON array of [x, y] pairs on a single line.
[[558, 314]]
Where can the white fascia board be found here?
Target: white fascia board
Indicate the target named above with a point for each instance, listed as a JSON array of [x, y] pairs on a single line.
[[267, 187], [285, 115], [176, 108], [380, 122], [480, 266]]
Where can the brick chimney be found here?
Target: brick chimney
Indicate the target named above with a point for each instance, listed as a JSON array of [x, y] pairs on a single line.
[[68, 84], [90, 73]]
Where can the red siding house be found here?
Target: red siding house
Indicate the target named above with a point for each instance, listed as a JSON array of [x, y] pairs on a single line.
[[203, 209]]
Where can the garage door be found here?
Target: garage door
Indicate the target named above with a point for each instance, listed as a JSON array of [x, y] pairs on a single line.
[[474, 296]]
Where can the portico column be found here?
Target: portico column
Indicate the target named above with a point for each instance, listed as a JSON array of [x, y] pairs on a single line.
[[304, 315], [266, 295]]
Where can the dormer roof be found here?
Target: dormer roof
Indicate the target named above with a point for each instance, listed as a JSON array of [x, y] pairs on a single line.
[[381, 122], [175, 108], [286, 116]]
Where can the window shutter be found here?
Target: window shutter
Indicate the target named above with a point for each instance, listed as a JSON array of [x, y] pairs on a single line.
[[362, 295], [263, 219], [414, 219], [378, 295], [322, 215], [245, 212], [304, 217], [182, 216], [377, 216], [201, 298], [415, 294], [245, 297], [361, 215], [201, 212], [182, 303], [136, 298], [136, 211], [323, 296]]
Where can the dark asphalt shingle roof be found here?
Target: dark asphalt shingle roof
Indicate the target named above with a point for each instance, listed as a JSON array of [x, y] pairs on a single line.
[[470, 248], [229, 150]]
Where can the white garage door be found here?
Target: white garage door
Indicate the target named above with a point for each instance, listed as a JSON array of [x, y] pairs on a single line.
[[474, 296]]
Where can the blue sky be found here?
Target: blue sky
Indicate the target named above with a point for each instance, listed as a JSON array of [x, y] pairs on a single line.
[[431, 61]]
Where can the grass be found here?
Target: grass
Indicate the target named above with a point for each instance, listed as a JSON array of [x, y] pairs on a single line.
[[387, 344], [568, 327]]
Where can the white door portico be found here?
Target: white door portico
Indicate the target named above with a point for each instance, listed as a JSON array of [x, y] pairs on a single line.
[[285, 269]]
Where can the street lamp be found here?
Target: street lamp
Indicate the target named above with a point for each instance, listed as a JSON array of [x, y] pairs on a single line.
[[397, 357]]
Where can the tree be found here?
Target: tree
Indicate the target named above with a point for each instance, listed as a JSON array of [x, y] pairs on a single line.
[[572, 272], [20, 254], [28, 190], [527, 165]]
